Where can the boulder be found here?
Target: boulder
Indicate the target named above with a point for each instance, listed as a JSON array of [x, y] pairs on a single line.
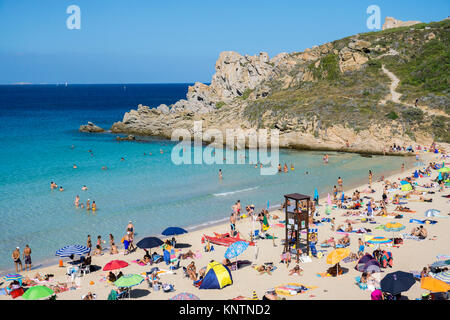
[[90, 127]]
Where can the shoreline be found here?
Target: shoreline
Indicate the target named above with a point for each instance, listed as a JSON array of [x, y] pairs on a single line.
[[45, 263]]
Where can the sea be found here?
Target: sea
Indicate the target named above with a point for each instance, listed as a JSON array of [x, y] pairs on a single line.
[[40, 143]]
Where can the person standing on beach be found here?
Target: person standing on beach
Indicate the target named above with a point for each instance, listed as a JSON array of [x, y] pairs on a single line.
[[233, 224], [370, 178], [340, 184], [335, 191], [89, 242], [238, 209], [403, 167], [16, 259], [99, 243], [27, 257], [130, 227]]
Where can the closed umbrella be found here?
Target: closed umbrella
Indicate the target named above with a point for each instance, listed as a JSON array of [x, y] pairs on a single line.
[[149, 242], [185, 296], [114, 265], [397, 282], [37, 292], [443, 276], [434, 285], [173, 231], [76, 249]]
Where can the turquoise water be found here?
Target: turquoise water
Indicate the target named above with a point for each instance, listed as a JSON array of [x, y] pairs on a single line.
[[39, 127]]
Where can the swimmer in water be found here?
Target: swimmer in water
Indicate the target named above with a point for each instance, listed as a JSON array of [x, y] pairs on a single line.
[[220, 174], [104, 168], [122, 159], [77, 201], [279, 167], [88, 205], [84, 188], [292, 167], [53, 185], [61, 188], [75, 166], [94, 206], [285, 168]]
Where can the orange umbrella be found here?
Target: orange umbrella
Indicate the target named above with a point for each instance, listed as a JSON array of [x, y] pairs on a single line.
[[434, 285], [337, 255]]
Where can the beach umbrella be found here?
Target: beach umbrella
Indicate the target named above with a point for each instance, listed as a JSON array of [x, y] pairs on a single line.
[[76, 249], [434, 285], [185, 296], [173, 231], [337, 255], [403, 182], [129, 280], [114, 265], [149, 242], [443, 276], [379, 240], [236, 249], [12, 277], [432, 213], [439, 264], [370, 266], [443, 170], [37, 292], [416, 174], [397, 282]]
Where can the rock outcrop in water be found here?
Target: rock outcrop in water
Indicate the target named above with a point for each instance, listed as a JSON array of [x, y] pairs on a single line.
[[90, 127], [328, 97]]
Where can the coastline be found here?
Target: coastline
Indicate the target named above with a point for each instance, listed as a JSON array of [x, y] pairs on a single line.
[[358, 184]]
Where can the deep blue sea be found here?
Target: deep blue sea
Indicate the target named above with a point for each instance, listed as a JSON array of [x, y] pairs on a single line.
[[40, 142]]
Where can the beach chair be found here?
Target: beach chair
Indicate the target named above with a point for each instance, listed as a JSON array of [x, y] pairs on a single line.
[[124, 294]]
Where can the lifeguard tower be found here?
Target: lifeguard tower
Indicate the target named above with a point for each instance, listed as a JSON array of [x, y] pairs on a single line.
[[297, 207]]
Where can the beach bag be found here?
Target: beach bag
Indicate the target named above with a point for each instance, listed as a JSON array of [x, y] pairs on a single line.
[[398, 241], [17, 293]]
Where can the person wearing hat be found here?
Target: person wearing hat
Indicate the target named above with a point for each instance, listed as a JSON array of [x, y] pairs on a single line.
[[16, 259]]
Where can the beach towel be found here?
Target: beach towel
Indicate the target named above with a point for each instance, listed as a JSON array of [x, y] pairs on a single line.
[[410, 237], [422, 221], [342, 245], [323, 275], [2, 291], [292, 289], [443, 257]]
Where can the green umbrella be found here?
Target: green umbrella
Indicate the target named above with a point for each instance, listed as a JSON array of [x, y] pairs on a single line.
[[129, 280], [445, 169], [37, 292]]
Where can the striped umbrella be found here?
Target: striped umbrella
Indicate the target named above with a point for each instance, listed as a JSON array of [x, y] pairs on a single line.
[[443, 276], [76, 249], [379, 240], [185, 296], [12, 277]]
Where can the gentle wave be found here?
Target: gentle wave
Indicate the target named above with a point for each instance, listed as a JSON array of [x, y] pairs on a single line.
[[233, 192]]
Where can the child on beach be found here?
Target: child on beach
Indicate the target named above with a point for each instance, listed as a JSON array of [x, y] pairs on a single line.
[[361, 246]]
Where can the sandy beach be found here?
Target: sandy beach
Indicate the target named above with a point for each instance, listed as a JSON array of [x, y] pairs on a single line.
[[412, 255]]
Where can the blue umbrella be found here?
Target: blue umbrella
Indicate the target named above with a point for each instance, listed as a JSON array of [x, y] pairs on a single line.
[[149, 242], [267, 204], [76, 249], [439, 264], [397, 282], [416, 174], [236, 249], [173, 231]]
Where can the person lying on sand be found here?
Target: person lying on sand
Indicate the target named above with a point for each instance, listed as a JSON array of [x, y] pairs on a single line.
[[226, 262], [344, 241], [422, 199], [296, 270], [330, 241], [264, 269], [187, 255], [403, 209]]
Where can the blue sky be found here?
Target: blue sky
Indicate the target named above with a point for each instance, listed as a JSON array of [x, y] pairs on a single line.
[[148, 41]]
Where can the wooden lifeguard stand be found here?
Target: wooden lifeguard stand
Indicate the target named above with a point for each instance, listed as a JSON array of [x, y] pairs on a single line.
[[297, 219]]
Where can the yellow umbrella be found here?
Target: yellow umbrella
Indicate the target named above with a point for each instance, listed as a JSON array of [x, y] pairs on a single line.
[[434, 285], [337, 255]]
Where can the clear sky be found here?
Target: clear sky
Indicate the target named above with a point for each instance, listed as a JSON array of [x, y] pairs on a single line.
[[145, 41]]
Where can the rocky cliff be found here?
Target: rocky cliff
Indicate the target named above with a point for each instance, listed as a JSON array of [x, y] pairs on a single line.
[[333, 96]]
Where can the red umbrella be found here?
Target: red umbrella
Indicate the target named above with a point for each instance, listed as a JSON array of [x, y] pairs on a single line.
[[115, 264]]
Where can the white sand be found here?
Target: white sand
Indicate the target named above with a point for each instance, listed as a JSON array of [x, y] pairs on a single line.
[[412, 255]]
